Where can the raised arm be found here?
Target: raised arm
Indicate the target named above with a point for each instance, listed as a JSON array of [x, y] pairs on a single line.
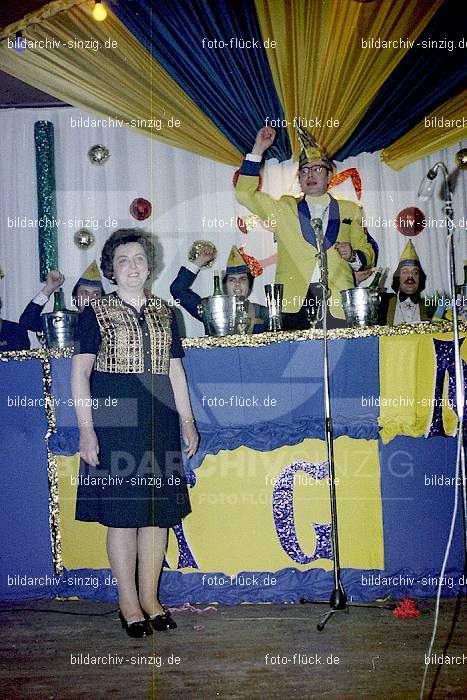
[[246, 189]]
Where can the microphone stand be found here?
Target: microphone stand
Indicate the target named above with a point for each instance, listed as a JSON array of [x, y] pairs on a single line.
[[424, 193], [338, 600]]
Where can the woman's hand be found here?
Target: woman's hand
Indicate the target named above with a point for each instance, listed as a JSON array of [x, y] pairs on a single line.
[[190, 438], [88, 446]]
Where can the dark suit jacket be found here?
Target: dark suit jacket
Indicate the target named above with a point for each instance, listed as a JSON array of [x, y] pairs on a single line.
[[181, 289], [13, 336], [31, 317]]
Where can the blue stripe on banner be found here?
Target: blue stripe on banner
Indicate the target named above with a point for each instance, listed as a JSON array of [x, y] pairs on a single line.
[[201, 46], [431, 72], [286, 382]]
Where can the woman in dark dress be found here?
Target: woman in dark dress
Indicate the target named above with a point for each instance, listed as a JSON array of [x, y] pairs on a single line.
[[127, 366]]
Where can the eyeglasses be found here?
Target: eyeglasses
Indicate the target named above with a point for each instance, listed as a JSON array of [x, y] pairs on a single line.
[[316, 169]]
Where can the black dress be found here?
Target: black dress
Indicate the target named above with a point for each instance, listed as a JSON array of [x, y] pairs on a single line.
[[140, 479]]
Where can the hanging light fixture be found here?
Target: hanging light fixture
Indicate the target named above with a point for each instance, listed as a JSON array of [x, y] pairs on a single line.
[[99, 11]]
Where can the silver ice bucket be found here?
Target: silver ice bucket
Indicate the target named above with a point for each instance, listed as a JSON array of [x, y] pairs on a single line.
[[360, 306], [218, 314], [60, 328]]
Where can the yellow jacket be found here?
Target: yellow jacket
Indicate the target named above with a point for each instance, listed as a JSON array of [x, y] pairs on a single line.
[[296, 256]]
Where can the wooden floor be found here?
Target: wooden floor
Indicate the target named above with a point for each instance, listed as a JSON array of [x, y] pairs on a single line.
[[247, 651]]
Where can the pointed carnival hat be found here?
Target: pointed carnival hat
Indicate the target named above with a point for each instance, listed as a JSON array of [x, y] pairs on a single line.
[[311, 150], [235, 262], [91, 276], [409, 255]]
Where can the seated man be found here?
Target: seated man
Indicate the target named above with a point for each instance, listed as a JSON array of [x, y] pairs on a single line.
[[88, 287], [13, 336], [237, 281], [348, 249], [406, 305]]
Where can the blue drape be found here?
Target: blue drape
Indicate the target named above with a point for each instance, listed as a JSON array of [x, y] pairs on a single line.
[[232, 86], [425, 78]]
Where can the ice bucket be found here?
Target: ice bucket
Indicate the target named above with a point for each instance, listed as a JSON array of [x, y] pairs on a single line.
[[218, 314], [360, 306], [60, 328]]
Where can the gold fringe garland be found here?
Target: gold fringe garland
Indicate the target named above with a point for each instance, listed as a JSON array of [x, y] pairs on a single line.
[[52, 471], [235, 341]]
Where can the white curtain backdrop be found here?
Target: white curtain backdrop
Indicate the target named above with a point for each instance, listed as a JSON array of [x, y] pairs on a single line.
[[192, 198]]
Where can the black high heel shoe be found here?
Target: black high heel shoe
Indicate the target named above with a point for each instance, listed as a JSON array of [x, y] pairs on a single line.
[[139, 629], [161, 623]]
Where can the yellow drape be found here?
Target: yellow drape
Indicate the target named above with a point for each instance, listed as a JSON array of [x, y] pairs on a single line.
[[407, 387], [124, 82], [320, 67], [425, 138]]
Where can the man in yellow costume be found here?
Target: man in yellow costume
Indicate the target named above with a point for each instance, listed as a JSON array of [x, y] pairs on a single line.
[[297, 268]]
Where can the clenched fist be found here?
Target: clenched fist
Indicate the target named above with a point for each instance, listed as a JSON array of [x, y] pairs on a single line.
[[264, 138], [55, 279]]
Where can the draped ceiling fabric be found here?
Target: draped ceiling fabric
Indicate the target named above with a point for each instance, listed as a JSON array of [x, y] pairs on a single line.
[[401, 153], [233, 86], [122, 83], [320, 68], [432, 72]]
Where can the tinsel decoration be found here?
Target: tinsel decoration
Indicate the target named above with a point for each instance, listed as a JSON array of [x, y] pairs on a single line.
[[197, 248], [344, 175], [253, 264], [84, 239], [461, 159], [140, 209], [46, 200], [406, 609], [98, 154], [52, 471], [248, 223], [236, 341], [410, 221]]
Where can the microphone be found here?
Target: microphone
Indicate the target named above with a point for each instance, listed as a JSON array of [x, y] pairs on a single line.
[[427, 185]]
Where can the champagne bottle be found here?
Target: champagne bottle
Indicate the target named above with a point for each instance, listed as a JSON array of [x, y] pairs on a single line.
[[376, 279], [58, 306], [217, 283]]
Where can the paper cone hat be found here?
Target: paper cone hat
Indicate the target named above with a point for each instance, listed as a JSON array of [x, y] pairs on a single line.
[[409, 255], [311, 150], [235, 263], [91, 276]]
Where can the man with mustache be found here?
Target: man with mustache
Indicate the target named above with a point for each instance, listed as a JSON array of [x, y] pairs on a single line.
[[406, 305]]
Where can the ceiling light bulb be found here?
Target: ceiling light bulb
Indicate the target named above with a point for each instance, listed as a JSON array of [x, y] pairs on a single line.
[[100, 11]]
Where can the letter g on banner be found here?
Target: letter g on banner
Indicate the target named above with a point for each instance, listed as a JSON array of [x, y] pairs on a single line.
[[282, 509]]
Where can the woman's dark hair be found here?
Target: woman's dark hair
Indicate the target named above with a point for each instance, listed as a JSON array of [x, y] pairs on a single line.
[[251, 279], [121, 237]]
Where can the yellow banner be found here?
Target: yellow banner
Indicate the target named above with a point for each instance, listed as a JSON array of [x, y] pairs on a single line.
[[241, 520], [410, 395]]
